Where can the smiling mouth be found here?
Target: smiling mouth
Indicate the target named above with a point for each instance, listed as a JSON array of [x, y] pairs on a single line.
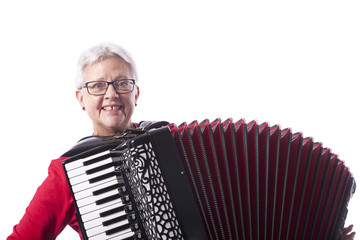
[[108, 108]]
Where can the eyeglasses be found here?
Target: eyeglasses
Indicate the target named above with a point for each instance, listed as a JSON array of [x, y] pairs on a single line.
[[100, 87]]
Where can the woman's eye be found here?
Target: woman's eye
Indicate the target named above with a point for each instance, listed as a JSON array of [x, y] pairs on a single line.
[[122, 84], [97, 85]]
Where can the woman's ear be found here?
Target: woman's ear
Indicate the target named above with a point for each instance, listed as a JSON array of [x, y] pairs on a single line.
[[80, 98], [137, 94]]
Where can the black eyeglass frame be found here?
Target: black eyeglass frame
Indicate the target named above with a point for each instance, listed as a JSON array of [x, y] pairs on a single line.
[[107, 87]]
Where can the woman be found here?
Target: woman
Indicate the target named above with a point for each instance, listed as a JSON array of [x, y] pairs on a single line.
[[107, 90]]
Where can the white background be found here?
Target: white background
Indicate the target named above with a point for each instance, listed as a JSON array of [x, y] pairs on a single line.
[[293, 64]]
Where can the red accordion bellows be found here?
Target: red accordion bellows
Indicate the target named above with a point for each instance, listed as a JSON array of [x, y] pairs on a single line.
[[253, 181]]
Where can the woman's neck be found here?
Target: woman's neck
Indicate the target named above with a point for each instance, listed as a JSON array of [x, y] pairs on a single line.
[[103, 132]]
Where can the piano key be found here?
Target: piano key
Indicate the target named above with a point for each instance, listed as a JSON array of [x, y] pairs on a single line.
[[109, 230], [118, 236], [99, 199], [101, 177], [86, 185], [119, 185], [92, 207], [111, 211], [95, 190], [131, 236], [103, 211], [83, 169], [80, 162], [92, 177], [115, 229], [108, 199], [116, 217]]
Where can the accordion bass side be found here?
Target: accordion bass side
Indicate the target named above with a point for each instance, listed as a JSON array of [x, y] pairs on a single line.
[[211, 180]]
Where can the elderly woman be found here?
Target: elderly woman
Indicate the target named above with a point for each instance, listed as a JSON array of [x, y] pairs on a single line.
[[107, 91]]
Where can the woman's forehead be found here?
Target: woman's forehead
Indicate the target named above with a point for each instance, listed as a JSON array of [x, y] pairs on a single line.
[[114, 67]]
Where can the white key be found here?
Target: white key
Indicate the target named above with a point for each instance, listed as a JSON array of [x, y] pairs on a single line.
[[117, 236], [96, 230], [86, 185], [98, 221], [96, 213], [94, 207], [121, 236], [92, 199], [89, 191], [85, 177], [79, 163], [82, 170]]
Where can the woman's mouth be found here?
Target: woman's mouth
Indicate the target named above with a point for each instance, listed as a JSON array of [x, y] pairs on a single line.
[[109, 108]]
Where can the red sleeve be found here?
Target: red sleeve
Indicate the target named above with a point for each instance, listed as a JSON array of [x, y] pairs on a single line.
[[50, 210]]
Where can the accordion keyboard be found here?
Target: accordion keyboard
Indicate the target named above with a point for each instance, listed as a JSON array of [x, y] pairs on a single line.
[[101, 198], [121, 191]]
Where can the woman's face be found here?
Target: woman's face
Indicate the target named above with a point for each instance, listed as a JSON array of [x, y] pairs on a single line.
[[110, 113]]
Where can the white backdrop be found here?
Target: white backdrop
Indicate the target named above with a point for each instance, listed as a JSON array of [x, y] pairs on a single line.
[[293, 64]]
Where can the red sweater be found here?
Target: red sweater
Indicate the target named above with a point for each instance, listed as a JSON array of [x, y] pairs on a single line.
[[51, 209]]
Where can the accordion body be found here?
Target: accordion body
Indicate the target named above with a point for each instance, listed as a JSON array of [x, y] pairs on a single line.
[[210, 180]]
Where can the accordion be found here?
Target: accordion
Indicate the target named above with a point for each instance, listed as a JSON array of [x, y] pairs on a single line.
[[209, 180]]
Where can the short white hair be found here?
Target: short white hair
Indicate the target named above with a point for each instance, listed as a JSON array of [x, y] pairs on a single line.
[[100, 52]]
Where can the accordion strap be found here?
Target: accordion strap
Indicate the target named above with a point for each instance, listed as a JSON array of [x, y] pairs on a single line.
[[90, 142]]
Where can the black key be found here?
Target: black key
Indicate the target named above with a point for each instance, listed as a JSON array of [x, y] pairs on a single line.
[[102, 177], [112, 211], [131, 238], [114, 220], [117, 229], [107, 199], [95, 160], [99, 168], [106, 189]]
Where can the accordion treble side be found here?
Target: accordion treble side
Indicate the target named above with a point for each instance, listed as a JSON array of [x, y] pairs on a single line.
[[211, 180]]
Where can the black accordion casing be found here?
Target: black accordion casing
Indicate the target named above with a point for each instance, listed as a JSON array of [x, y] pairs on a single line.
[[216, 180]]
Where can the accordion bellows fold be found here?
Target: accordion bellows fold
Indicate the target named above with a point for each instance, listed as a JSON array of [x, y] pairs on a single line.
[[259, 182], [209, 180]]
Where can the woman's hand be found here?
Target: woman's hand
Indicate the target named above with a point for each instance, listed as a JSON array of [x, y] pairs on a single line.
[[347, 234]]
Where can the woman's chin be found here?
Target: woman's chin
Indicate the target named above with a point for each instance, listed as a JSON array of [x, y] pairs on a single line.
[[115, 122]]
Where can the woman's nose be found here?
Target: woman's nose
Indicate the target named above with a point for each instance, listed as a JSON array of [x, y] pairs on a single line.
[[111, 92]]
